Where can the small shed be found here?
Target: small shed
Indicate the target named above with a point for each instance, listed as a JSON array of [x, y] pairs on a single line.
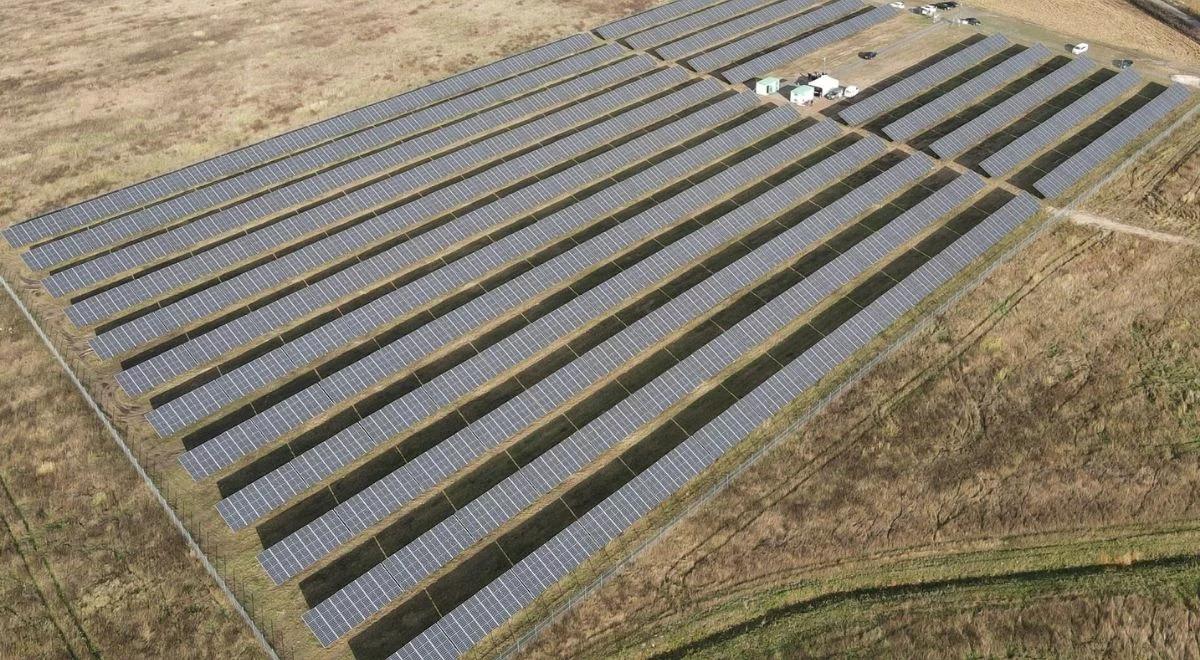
[[802, 94], [767, 86], [824, 84]]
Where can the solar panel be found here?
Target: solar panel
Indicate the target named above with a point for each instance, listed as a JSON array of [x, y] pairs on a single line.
[[649, 18], [328, 155], [691, 23], [515, 348], [768, 62], [956, 100], [993, 119], [723, 32], [772, 36], [923, 80], [454, 324], [290, 196], [397, 220], [389, 263], [296, 552], [616, 513], [1084, 161], [393, 305], [1051, 130], [649, 401], [218, 167]]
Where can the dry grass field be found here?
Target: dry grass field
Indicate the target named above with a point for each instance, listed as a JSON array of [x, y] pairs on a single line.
[[1071, 410], [89, 564]]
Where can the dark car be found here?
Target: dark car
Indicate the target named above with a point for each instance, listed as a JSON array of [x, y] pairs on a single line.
[[1124, 64], [868, 54], [971, 21], [945, 5]]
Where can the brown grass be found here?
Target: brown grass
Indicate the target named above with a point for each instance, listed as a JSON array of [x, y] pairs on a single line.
[[1114, 23], [1144, 612], [90, 563]]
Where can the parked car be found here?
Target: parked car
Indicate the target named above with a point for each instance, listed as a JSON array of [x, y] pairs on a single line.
[[868, 54], [835, 94], [850, 91], [1079, 48], [972, 21], [946, 5], [927, 10], [1124, 64], [897, 4]]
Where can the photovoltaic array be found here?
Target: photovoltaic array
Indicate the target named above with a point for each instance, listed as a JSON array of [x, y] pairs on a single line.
[[513, 311], [978, 129], [1053, 129], [772, 59], [957, 99], [1075, 168], [893, 96]]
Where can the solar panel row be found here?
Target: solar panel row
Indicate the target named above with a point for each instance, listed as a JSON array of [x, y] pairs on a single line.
[[649, 18], [693, 22], [771, 37], [214, 169], [306, 190], [403, 222], [484, 515], [957, 99], [402, 414], [1084, 161], [922, 81], [257, 499], [363, 202], [308, 545], [336, 158], [778, 57], [1052, 129], [395, 305], [385, 265], [460, 629], [1004, 113], [723, 32]]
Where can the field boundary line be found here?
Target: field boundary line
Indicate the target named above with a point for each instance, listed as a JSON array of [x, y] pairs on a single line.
[[137, 466], [1057, 216]]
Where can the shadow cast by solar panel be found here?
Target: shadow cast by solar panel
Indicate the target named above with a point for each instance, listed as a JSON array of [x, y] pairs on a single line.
[[744, 15], [267, 297], [922, 141], [571, 289], [867, 92], [518, 222], [972, 157], [353, 482], [527, 534], [781, 44], [817, 6], [322, 198], [1041, 165], [580, 413], [877, 124], [585, 411]]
